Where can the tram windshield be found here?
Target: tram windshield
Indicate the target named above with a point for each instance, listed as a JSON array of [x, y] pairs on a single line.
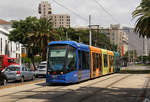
[[61, 58]]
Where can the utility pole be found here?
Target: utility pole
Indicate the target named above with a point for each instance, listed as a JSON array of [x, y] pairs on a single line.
[[90, 32], [79, 39], [66, 35], [128, 56], [133, 56], [143, 50]]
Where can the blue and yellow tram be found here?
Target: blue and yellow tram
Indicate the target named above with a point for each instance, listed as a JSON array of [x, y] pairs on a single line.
[[71, 62]]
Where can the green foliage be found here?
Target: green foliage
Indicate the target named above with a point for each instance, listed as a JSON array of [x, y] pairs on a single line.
[[34, 34], [98, 39], [144, 59], [142, 12], [37, 59], [22, 29], [26, 60]]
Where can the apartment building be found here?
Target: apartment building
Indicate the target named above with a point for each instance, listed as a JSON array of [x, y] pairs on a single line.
[[124, 42], [116, 35], [59, 20], [136, 42], [44, 9]]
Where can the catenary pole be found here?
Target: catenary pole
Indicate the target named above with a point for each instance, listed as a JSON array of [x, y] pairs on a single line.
[[90, 32]]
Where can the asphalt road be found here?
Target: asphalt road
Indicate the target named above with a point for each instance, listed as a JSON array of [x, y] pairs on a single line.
[[110, 88]]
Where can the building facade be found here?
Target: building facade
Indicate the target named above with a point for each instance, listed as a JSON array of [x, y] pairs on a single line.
[[136, 42], [58, 20], [9, 48], [5, 24], [44, 9], [116, 36], [124, 43]]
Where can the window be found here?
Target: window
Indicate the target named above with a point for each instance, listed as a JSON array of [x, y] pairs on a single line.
[[105, 61], [57, 57], [1, 45], [80, 56], [110, 63], [13, 68], [83, 60], [23, 68], [100, 62], [97, 60], [11, 47], [71, 60], [94, 62]]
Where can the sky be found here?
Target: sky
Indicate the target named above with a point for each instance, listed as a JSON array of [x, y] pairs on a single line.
[[120, 11]]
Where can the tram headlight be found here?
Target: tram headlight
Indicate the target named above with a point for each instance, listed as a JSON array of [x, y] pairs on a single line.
[[48, 72]]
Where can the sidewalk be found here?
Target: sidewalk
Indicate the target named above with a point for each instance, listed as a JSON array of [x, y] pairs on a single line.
[[135, 69]]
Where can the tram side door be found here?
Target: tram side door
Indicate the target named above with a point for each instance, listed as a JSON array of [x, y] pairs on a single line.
[[80, 65], [94, 64]]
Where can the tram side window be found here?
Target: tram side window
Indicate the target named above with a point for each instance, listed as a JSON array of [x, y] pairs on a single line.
[[94, 62], [110, 61], [85, 60], [80, 56], [97, 60], [100, 62], [105, 61], [71, 62]]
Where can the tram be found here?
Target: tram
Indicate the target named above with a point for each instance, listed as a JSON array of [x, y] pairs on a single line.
[[71, 62]]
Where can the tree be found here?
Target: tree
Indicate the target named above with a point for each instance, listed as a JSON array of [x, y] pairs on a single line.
[[143, 22], [43, 34], [34, 34], [98, 39], [21, 33]]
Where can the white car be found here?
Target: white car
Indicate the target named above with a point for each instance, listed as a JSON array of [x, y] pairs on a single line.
[[41, 69]]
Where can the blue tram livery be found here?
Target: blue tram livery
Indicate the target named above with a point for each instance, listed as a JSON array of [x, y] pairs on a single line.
[[70, 62]]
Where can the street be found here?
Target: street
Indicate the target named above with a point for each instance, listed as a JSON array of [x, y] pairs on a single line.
[[117, 87]]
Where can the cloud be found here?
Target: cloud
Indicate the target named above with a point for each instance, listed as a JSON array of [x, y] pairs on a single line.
[[119, 9]]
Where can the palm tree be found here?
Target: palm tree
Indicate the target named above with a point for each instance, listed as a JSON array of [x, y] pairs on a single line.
[[143, 22], [45, 33], [42, 34]]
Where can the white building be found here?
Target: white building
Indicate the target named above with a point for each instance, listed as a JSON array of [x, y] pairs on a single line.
[[9, 48], [125, 42]]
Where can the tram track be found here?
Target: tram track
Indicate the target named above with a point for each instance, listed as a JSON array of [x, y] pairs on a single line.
[[144, 94], [69, 89], [90, 85], [107, 86], [51, 87]]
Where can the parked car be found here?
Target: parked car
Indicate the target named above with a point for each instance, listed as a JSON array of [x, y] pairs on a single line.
[[41, 69], [19, 72], [3, 78]]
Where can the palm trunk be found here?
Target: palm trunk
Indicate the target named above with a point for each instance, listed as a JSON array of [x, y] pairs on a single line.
[[32, 59], [44, 49]]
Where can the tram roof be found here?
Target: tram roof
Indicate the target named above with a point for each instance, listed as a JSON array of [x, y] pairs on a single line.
[[116, 53], [110, 53], [79, 46]]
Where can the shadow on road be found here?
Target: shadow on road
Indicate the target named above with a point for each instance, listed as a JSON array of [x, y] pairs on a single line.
[[84, 94], [134, 71]]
